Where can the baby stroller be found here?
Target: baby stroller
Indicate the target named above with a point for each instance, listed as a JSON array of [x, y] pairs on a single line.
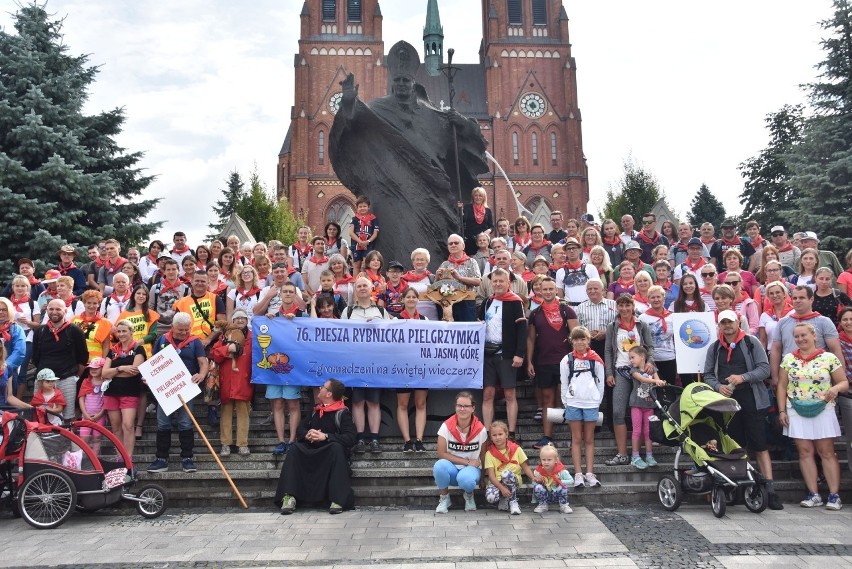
[[49, 471], [694, 419]]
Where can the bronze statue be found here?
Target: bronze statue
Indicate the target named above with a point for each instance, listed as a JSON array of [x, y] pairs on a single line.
[[397, 151]]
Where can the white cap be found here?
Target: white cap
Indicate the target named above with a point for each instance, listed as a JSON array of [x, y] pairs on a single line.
[[728, 315], [810, 235], [778, 228]]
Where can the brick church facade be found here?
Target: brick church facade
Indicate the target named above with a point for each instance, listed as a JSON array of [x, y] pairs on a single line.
[[523, 93]]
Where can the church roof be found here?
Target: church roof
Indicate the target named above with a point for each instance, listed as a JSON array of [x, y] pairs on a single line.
[[237, 226], [470, 89], [285, 148]]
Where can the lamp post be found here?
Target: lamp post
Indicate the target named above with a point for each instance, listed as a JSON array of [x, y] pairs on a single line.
[[449, 70]]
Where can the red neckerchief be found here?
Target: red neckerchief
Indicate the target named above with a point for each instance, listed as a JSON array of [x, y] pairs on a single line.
[[346, 279], [743, 297], [844, 337], [375, 278], [93, 320], [552, 314], [554, 476], [57, 399], [200, 267], [398, 288], [536, 299], [166, 286], [262, 277], [692, 307], [220, 286], [152, 258], [523, 242], [639, 298], [4, 332], [185, 280], [478, 213], [458, 263], [736, 241], [292, 310], [365, 219], [405, 316], [614, 242], [364, 228], [732, 346], [303, 251], [19, 302], [243, 295], [706, 291], [57, 331], [180, 251], [568, 266], [34, 280], [119, 350], [589, 356], [100, 262], [758, 242], [649, 240], [807, 316], [183, 343], [770, 310], [628, 328], [334, 406], [69, 300], [805, 359], [626, 284], [330, 242], [319, 261], [661, 315], [697, 266], [507, 297], [64, 270], [544, 244], [121, 300], [641, 265], [708, 241], [785, 248], [291, 270], [112, 268], [475, 427], [413, 277], [666, 285], [504, 458], [587, 250], [527, 275]]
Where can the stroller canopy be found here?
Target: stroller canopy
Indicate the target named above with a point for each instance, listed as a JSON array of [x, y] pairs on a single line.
[[697, 397]]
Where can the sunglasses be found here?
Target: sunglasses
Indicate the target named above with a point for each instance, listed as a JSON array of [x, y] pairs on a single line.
[[648, 222], [777, 234], [732, 283], [708, 274]]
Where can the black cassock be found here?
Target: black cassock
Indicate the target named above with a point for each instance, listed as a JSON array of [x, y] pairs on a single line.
[[319, 472]]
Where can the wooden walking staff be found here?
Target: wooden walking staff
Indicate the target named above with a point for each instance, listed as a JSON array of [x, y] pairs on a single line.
[[212, 452]]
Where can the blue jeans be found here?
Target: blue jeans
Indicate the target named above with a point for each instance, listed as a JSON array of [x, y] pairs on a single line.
[[447, 474], [179, 418]]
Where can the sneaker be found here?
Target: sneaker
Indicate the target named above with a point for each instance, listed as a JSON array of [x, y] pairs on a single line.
[[188, 465], [159, 465], [268, 421], [226, 450], [538, 414], [834, 502], [639, 463], [212, 416], [335, 508], [650, 460], [375, 447], [469, 502], [418, 446], [288, 505], [503, 504], [280, 448], [565, 509], [812, 501], [541, 508], [618, 459], [592, 480], [408, 446], [578, 481], [443, 504], [243, 451], [543, 442], [775, 501], [514, 508], [360, 447]]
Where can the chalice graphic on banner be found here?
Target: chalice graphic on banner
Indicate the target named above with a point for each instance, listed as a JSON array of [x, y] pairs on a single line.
[[264, 340]]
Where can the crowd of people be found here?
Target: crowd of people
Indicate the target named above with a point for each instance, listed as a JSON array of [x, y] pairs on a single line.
[[584, 311]]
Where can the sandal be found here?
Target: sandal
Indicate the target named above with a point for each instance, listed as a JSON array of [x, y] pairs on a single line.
[[138, 432]]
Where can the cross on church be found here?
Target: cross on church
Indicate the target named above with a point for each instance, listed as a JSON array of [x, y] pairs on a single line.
[[443, 108]]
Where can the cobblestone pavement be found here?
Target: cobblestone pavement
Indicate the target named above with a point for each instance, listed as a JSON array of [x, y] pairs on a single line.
[[629, 536]]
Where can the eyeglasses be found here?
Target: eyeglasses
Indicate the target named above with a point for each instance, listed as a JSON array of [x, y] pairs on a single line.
[[453, 242], [648, 221], [732, 283], [462, 406], [708, 274], [773, 270]]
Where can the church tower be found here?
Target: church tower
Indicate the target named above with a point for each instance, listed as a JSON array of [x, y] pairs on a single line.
[[433, 40], [531, 92]]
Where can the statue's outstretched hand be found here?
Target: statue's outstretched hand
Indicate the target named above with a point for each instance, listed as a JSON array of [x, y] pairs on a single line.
[[350, 89]]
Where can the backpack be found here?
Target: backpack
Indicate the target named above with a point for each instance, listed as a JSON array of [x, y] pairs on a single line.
[[577, 278], [563, 311], [351, 309], [571, 372]]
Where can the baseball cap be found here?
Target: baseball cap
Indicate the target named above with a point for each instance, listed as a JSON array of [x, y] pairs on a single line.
[[633, 246], [164, 255], [810, 235], [396, 265], [46, 375], [239, 314], [587, 217], [695, 241], [97, 363], [778, 228], [728, 315], [51, 276]]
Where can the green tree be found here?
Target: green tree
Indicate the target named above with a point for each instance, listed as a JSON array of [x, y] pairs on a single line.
[[821, 166], [235, 190], [63, 178], [635, 193], [265, 217], [705, 207], [767, 175]]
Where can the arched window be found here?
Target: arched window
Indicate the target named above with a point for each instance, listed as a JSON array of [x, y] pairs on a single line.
[[535, 149], [353, 10], [329, 10], [340, 211], [515, 156], [553, 148], [321, 147], [540, 212]]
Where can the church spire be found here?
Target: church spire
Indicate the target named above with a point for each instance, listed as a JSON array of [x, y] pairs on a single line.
[[433, 39]]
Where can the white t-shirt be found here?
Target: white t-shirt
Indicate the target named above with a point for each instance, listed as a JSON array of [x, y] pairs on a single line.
[[625, 340], [469, 451], [575, 287], [112, 308], [770, 326], [494, 322], [29, 314], [247, 304], [664, 344]]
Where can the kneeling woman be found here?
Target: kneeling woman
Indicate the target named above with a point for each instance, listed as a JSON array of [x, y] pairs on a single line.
[[461, 445], [317, 468]]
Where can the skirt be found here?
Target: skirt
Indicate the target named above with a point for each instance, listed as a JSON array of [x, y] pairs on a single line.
[[823, 426]]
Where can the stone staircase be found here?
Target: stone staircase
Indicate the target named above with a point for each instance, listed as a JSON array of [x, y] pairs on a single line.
[[396, 479]]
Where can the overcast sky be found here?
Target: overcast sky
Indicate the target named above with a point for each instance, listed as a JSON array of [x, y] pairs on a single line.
[[683, 87]]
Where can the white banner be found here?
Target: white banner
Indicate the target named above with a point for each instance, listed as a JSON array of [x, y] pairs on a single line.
[[694, 332], [168, 377]]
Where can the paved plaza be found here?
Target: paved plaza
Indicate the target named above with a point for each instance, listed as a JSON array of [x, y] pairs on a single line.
[[629, 536]]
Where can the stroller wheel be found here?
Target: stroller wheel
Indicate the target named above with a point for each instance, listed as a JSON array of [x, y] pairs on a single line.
[[756, 498], [717, 501], [669, 492], [153, 501], [47, 499]]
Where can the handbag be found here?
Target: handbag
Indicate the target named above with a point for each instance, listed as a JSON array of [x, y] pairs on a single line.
[[808, 408]]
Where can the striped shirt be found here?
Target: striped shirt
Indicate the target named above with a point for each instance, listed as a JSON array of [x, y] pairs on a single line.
[[596, 316]]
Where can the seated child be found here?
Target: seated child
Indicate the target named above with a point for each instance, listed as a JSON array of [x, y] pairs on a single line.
[[642, 406], [582, 376], [551, 481], [91, 403], [505, 461], [47, 397]]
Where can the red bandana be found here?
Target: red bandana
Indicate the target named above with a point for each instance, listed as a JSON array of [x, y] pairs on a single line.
[[413, 277], [758, 241], [844, 337], [708, 241], [64, 270], [523, 242], [475, 427], [183, 343], [152, 258], [504, 458], [589, 356], [568, 266], [508, 297], [478, 213], [57, 331], [736, 241], [19, 301], [614, 242], [69, 300], [366, 221], [181, 251], [527, 275], [459, 262], [626, 284], [244, 295], [4, 332], [319, 261], [770, 310], [330, 242], [629, 328], [166, 286], [303, 251], [346, 279], [805, 359], [334, 406], [405, 316], [34, 280], [785, 248], [120, 351], [661, 315], [808, 316], [697, 266], [544, 244], [553, 476], [286, 311], [639, 298], [120, 300], [112, 268], [649, 240], [552, 314], [732, 346]]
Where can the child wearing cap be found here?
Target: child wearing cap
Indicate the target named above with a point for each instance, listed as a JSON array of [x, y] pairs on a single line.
[[91, 403], [47, 397]]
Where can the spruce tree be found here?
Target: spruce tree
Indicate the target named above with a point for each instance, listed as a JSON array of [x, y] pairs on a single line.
[[821, 166], [705, 207], [63, 177], [234, 191]]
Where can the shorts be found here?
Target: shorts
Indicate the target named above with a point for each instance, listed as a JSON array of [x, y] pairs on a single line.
[[119, 402], [283, 392], [358, 255], [585, 415], [499, 371], [368, 394], [547, 376], [748, 428]]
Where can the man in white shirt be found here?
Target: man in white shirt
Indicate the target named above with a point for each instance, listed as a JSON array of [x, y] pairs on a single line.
[[572, 277]]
